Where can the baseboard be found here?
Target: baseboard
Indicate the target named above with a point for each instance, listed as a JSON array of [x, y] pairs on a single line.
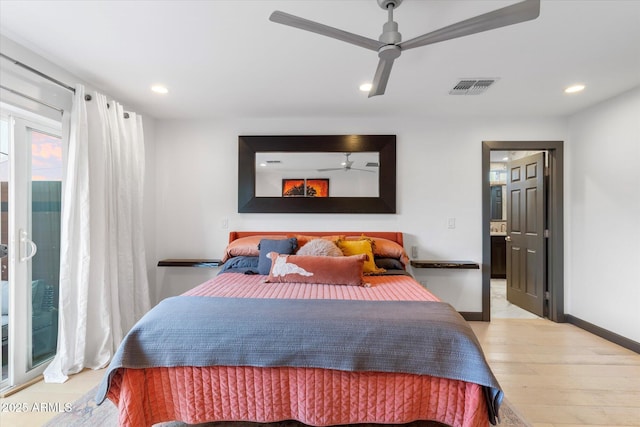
[[603, 333], [471, 315], [12, 390]]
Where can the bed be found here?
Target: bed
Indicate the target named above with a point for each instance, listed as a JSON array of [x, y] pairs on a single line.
[[285, 332]]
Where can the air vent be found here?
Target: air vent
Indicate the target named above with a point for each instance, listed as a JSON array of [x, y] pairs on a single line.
[[272, 162], [372, 164], [471, 86]]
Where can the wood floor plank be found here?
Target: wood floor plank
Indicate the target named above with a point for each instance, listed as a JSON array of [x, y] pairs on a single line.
[[580, 415], [545, 396]]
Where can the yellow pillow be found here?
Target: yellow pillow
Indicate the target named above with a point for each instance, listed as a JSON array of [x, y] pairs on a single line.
[[357, 247]]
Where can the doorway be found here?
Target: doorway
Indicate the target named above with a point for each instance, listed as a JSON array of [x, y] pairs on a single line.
[[553, 270], [518, 246]]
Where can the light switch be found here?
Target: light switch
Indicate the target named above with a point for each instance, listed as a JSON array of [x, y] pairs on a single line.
[[451, 223], [414, 252]]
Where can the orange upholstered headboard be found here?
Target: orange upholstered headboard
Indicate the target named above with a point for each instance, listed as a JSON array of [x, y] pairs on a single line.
[[394, 236]]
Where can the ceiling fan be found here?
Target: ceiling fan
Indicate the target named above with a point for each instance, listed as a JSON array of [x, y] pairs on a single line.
[[346, 166], [390, 45]]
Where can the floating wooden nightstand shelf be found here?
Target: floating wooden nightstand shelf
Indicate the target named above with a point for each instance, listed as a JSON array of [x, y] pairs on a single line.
[[423, 263], [205, 263]]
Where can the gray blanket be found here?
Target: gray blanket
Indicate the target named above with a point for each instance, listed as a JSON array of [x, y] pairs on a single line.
[[416, 337]]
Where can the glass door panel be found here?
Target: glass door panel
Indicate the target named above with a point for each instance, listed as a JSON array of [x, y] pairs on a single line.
[[46, 192]]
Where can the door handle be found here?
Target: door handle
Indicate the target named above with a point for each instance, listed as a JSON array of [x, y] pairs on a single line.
[[28, 244], [507, 238]]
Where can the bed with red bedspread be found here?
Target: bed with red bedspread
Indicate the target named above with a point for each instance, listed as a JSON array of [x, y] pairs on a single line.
[[243, 380]]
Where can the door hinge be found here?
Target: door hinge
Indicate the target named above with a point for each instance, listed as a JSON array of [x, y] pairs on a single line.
[[547, 295], [546, 233]]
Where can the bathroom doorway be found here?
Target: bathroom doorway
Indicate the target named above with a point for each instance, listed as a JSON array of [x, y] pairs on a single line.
[[514, 294], [495, 228]]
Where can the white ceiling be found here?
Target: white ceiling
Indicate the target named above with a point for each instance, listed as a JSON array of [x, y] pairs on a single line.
[[292, 162], [226, 59]]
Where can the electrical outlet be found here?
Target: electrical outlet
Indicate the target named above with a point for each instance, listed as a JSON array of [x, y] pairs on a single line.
[[451, 223]]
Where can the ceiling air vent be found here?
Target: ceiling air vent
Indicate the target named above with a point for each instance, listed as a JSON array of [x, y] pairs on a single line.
[[471, 86], [372, 164], [271, 162]]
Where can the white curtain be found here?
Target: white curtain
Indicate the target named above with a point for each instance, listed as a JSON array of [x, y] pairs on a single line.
[[103, 279]]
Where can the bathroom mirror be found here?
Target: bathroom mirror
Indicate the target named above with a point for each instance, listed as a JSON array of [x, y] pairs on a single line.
[[333, 174], [498, 203], [498, 181]]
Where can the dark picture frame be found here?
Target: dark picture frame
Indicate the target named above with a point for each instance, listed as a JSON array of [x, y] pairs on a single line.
[[384, 145]]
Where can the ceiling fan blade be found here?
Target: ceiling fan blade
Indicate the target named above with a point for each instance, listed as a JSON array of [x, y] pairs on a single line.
[[381, 78], [329, 169], [514, 14], [325, 30], [362, 170]]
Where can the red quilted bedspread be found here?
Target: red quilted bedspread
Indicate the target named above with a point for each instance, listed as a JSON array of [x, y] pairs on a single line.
[[313, 396]]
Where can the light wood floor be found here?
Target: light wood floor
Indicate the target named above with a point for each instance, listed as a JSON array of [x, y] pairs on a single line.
[[553, 374], [560, 375]]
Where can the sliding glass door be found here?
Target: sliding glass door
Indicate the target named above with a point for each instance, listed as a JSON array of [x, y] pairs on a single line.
[[30, 187]]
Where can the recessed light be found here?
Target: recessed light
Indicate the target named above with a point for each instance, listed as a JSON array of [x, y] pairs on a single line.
[[365, 87], [159, 89], [505, 158], [574, 88]]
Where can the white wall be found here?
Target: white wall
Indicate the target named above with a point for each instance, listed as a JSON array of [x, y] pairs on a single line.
[[438, 177], [602, 261]]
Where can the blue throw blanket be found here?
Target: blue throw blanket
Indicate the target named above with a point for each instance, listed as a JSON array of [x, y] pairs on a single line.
[[417, 337]]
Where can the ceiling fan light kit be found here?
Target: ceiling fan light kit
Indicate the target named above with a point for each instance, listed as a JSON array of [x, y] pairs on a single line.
[[390, 45]]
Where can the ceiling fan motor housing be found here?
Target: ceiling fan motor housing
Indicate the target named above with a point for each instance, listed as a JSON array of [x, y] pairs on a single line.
[[390, 34]]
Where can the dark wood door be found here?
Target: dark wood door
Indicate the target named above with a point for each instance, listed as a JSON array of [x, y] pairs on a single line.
[[526, 222]]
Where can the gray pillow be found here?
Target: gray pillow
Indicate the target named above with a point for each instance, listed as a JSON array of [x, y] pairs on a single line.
[[240, 263], [283, 246], [388, 263], [322, 247]]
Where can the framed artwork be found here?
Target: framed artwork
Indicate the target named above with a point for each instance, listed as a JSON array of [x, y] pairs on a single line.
[[318, 187], [296, 187], [293, 188]]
